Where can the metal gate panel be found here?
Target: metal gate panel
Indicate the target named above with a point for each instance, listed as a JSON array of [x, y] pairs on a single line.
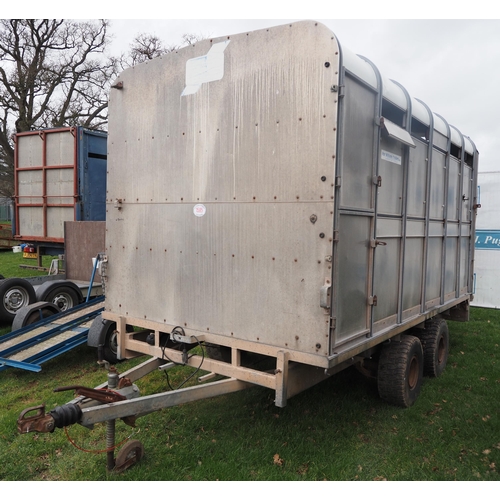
[[60, 148], [412, 277], [30, 151], [390, 192], [249, 271], [357, 168], [437, 193], [353, 279], [30, 186], [417, 180], [454, 189]]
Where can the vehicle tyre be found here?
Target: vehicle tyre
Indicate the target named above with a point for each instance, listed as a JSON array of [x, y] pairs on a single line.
[[129, 455], [103, 332], [435, 342], [15, 293], [33, 313], [63, 294], [400, 371]]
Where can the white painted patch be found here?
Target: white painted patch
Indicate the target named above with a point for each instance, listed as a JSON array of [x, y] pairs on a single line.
[[205, 69], [199, 210], [391, 157]]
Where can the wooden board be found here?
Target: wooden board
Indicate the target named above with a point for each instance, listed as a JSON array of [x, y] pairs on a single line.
[[84, 240]]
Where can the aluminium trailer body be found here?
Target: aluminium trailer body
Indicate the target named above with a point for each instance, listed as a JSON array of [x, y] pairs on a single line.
[[291, 199], [271, 194]]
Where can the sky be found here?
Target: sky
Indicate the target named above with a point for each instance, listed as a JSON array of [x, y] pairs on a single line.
[[451, 65]]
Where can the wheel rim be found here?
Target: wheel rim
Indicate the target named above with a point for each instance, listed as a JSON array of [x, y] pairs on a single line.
[[113, 342], [129, 455], [413, 373], [14, 299], [63, 301]]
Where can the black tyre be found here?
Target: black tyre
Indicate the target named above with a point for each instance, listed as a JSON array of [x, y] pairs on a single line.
[[129, 455], [103, 332], [110, 344], [400, 371], [435, 341], [15, 293], [33, 313], [65, 295]]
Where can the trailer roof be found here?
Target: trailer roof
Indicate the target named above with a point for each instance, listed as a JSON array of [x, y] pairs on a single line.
[[394, 93]]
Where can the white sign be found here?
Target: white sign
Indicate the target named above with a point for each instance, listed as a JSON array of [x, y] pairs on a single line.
[[199, 210], [205, 69], [391, 157]]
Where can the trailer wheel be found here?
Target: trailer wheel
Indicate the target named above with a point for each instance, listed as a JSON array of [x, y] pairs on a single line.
[[435, 343], [103, 332], [129, 455], [33, 313], [110, 344], [63, 294], [400, 371], [15, 293]]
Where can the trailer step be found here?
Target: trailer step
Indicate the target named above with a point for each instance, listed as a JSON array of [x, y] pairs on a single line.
[[29, 347]]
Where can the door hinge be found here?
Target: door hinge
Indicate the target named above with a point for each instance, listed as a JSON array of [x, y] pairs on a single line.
[[333, 324], [372, 300]]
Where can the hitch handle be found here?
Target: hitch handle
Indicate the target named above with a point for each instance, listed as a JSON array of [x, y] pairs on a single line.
[[40, 422]]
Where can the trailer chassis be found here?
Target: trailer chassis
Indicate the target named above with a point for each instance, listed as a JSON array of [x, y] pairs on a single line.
[[285, 372], [119, 397]]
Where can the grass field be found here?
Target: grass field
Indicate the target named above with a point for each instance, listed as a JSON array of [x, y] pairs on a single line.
[[338, 430]]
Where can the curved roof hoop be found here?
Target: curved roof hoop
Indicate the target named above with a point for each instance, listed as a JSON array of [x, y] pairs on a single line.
[[428, 205], [405, 201], [375, 171]]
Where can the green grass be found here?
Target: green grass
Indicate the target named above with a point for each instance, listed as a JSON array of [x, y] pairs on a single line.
[[10, 262], [338, 430]]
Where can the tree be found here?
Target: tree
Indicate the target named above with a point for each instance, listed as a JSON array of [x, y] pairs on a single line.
[[147, 46], [53, 73], [56, 73]]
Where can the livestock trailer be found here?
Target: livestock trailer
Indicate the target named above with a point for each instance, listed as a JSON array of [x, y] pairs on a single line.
[[487, 243], [271, 195], [59, 175]]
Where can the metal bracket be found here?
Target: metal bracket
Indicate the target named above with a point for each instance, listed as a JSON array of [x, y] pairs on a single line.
[[324, 296], [376, 243]]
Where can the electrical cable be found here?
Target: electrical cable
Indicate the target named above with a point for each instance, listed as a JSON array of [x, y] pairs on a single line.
[[98, 451], [180, 330]]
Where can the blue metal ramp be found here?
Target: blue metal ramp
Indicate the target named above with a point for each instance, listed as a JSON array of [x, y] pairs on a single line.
[[29, 347]]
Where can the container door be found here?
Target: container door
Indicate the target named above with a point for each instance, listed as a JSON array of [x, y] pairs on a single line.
[[45, 182], [92, 158]]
